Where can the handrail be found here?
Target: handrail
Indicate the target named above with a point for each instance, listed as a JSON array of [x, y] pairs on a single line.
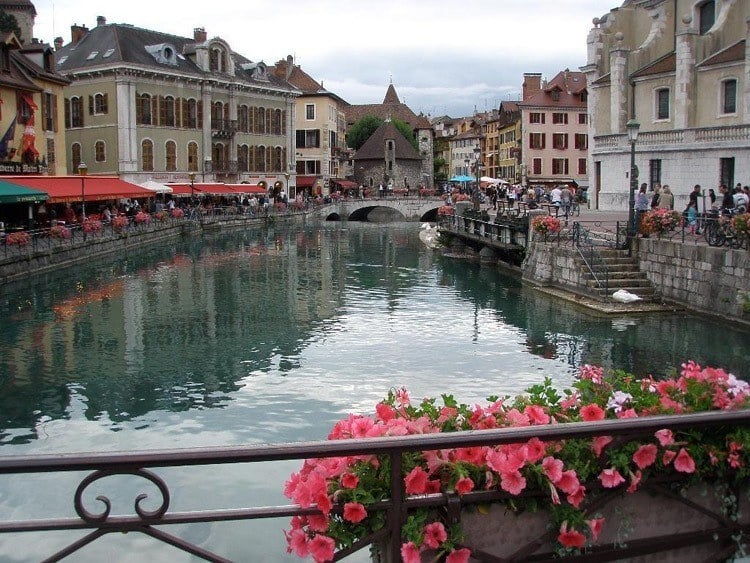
[[142, 463], [583, 244]]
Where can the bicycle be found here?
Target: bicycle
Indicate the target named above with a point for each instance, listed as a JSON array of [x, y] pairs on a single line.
[[718, 231]]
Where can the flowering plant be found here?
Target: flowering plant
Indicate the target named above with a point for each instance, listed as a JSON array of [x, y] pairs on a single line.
[[177, 213], [59, 231], [553, 476], [92, 225], [741, 223], [546, 224], [119, 223], [161, 215], [660, 221], [20, 238], [142, 218], [445, 210]]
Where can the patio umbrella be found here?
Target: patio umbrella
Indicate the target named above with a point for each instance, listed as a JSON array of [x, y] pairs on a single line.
[[461, 178], [12, 193]]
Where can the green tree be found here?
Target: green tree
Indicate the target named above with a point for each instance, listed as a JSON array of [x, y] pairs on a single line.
[[406, 130], [8, 23], [362, 130]]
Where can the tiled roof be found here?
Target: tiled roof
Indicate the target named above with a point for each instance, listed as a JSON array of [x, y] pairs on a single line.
[[569, 84], [389, 109], [666, 64], [4, 4], [734, 53], [373, 149]]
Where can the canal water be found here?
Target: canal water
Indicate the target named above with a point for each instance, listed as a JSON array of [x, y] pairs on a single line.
[[272, 336]]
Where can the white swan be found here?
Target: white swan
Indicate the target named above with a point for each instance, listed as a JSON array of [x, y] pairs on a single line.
[[625, 296]]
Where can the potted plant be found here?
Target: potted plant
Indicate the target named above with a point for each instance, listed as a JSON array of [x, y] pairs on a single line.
[[659, 221], [546, 225]]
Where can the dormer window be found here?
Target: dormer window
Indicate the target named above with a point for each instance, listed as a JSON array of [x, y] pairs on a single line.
[[217, 59], [258, 70], [5, 59], [92, 55], [555, 95], [163, 53]]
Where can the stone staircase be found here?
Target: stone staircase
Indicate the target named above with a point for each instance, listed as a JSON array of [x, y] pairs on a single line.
[[621, 272]]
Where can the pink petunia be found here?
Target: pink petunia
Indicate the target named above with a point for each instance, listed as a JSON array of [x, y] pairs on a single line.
[[595, 525], [536, 414], [645, 456], [410, 553], [635, 480], [576, 498], [683, 462], [349, 481], [434, 535], [385, 412], [570, 538], [297, 543], [552, 468], [354, 512], [416, 481], [627, 413], [464, 485], [611, 478], [514, 483], [599, 443], [668, 456], [592, 412], [321, 548], [665, 437], [458, 556], [568, 482]]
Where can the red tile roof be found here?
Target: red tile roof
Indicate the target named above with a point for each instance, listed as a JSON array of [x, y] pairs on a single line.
[[570, 86], [731, 54]]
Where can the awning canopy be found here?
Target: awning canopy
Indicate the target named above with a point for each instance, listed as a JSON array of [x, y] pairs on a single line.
[[216, 189], [157, 187], [346, 184], [13, 193], [248, 189], [63, 189], [306, 181]]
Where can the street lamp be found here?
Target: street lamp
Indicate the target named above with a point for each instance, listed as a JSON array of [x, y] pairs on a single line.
[[191, 175], [632, 126], [475, 197], [82, 170], [466, 170]]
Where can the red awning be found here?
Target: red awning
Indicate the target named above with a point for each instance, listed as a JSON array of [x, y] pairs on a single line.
[[183, 189], [248, 189], [63, 189], [306, 181], [346, 184]]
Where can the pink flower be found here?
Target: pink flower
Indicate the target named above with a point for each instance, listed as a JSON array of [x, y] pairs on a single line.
[[592, 412], [683, 462], [385, 412], [535, 450], [599, 443], [536, 414], [410, 553], [568, 482], [611, 478], [464, 485], [416, 481], [576, 498], [627, 413], [434, 535], [570, 538], [297, 542], [635, 480], [552, 468], [645, 456], [354, 512], [668, 456], [349, 481], [514, 483], [458, 556], [593, 373], [665, 437], [595, 525], [321, 547]]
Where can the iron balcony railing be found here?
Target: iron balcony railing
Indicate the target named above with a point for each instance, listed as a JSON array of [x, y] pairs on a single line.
[[145, 465]]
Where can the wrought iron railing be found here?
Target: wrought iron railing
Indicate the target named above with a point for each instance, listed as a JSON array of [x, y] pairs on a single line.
[[146, 466]]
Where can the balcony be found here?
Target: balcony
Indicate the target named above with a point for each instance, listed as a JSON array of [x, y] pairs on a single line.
[[223, 128]]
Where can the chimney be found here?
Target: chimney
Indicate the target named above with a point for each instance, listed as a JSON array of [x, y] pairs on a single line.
[[101, 20], [532, 83], [58, 43], [77, 33], [200, 35], [289, 66]]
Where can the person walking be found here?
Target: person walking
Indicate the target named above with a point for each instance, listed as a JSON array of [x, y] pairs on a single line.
[[642, 205], [666, 199], [655, 196]]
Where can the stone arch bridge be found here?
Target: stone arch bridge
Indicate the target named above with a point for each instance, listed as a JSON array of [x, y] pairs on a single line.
[[405, 209]]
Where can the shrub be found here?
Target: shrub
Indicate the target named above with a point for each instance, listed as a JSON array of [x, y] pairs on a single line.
[[20, 238], [546, 224], [59, 232], [659, 221], [119, 223]]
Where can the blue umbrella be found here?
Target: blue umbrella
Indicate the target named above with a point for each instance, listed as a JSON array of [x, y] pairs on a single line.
[[461, 178]]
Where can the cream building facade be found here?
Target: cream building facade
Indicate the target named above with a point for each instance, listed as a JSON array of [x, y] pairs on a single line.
[[681, 69]]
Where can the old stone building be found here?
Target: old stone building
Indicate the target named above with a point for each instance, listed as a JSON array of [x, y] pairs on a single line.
[[147, 105], [680, 69], [387, 158]]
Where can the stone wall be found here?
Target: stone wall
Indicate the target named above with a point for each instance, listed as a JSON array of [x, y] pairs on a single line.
[[552, 265], [703, 278]]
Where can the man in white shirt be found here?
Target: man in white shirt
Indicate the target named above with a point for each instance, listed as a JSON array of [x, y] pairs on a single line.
[[556, 196], [740, 200]]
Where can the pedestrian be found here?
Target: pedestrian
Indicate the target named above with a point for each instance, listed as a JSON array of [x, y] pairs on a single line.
[[655, 196], [715, 204], [691, 216], [565, 199], [642, 205], [740, 200], [666, 199], [727, 201]]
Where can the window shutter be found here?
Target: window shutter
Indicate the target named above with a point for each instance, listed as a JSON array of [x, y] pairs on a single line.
[[155, 110], [53, 110], [105, 103], [91, 105], [80, 110], [184, 113], [66, 103], [45, 121], [200, 114], [162, 111]]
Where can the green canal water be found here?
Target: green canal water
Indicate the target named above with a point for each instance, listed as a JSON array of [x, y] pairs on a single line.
[[272, 336]]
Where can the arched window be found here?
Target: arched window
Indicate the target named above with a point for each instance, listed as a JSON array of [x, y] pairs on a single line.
[[75, 155], [277, 122], [706, 16], [218, 155], [252, 114], [269, 121], [147, 155], [171, 156], [260, 159], [76, 111], [144, 109], [242, 121], [278, 159], [100, 153], [192, 114], [192, 156], [217, 60], [261, 122], [217, 115], [242, 158], [168, 112]]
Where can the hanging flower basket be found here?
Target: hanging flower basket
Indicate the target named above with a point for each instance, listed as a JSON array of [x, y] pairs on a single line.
[[659, 221], [177, 213], [21, 238], [59, 232], [142, 218], [546, 225], [92, 226], [119, 223]]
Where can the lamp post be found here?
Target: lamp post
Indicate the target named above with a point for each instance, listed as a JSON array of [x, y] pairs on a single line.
[[191, 175], [466, 170], [82, 170], [632, 126], [475, 195]]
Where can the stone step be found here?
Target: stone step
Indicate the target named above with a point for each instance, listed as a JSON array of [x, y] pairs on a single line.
[[621, 284], [622, 275]]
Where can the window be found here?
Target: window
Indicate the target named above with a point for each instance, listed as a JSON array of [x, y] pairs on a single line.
[[560, 118], [51, 153], [726, 172], [706, 16], [729, 96], [654, 172], [583, 118], [536, 117], [217, 60], [582, 141], [662, 103], [167, 112], [147, 155], [49, 111], [560, 166], [560, 141], [192, 156], [242, 158], [537, 166], [309, 111], [260, 159], [277, 122], [98, 104], [242, 120], [75, 155], [191, 114], [308, 138], [582, 166], [100, 153], [555, 95], [171, 159], [144, 110], [260, 124], [536, 140], [76, 112]]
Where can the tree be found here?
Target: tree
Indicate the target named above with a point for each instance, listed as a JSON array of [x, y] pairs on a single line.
[[362, 130], [406, 130], [9, 23]]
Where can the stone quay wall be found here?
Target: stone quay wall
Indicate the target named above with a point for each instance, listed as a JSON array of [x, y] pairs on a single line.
[[553, 266], [713, 280]]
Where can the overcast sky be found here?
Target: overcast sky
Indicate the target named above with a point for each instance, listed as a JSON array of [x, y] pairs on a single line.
[[445, 57]]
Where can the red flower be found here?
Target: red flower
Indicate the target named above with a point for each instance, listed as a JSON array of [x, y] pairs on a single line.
[[683, 462], [570, 538], [321, 547], [595, 524], [611, 478], [513, 482], [416, 481], [354, 512], [434, 535], [349, 481], [410, 553], [592, 412], [458, 556], [552, 468], [645, 456], [464, 485], [665, 437], [568, 482], [599, 443]]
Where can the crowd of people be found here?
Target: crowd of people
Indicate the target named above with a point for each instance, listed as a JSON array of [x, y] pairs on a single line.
[[562, 196]]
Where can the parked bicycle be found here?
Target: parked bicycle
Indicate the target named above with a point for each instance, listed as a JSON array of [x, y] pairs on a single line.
[[718, 231]]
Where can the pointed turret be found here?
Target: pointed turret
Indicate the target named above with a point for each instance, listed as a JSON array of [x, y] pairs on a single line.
[[390, 96]]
